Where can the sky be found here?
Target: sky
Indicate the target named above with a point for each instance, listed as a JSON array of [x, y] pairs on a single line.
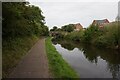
[[69, 12]]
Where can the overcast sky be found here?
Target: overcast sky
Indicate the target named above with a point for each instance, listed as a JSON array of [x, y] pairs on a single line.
[[61, 13]]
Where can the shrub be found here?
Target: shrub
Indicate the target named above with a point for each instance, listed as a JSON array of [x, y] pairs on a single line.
[[101, 41], [91, 33], [75, 36], [112, 34]]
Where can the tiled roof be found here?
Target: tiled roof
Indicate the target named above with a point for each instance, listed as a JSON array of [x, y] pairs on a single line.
[[101, 21]]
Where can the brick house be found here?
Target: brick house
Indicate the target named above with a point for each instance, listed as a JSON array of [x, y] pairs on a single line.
[[101, 23], [78, 27]]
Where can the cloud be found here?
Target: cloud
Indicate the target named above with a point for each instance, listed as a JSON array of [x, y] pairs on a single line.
[[61, 13]]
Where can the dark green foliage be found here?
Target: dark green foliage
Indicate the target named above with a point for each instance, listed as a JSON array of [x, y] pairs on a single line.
[[75, 36], [22, 19], [90, 33], [55, 28], [101, 41], [112, 34], [108, 36], [21, 26], [68, 28], [59, 36]]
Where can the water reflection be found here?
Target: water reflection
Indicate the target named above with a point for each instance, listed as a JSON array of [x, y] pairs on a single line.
[[102, 58]]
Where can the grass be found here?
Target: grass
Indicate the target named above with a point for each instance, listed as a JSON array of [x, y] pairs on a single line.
[[14, 50], [57, 65]]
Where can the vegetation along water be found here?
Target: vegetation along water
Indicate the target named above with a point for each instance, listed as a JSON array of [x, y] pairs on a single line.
[[89, 61], [85, 52]]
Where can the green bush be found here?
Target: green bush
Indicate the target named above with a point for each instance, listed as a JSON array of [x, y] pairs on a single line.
[[75, 36], [101, 41], [68, 28], [21, 20], [108, 36], [21, 26], [90, 33], [112, 35]]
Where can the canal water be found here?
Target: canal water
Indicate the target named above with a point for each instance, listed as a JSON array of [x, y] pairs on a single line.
[[89, 61]]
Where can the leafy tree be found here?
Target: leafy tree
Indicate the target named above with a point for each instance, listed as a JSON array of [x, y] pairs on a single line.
[[21, 19], [68, 28], [90, 33], [55, 28]]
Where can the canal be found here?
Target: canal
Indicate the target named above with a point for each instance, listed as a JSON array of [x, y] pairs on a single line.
[[89, 61]]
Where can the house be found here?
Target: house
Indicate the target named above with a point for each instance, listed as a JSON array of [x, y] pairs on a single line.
[[78, 27], [101, 23]]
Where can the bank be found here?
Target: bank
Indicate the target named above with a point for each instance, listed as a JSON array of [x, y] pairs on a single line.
[[20, 32], [106, 37], [13, 50], [58, 67]]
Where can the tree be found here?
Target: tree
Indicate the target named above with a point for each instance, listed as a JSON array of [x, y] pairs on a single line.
[[21, 19], [54, 28], [68, 28], [90, 33]]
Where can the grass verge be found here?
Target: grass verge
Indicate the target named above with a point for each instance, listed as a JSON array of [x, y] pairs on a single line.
[[57, 65], [13, 50]]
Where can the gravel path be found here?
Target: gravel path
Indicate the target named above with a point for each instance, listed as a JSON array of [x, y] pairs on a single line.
[[34, 64]]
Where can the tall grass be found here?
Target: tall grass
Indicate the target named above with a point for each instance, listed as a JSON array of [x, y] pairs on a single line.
[[58, 67]]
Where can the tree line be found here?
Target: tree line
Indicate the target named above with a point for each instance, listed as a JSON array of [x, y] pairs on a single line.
[[66, 28], [108, 36], [22, 19], [22, 26]]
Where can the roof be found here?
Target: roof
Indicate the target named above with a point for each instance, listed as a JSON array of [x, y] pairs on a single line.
[[101, 21], [78, 26]]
